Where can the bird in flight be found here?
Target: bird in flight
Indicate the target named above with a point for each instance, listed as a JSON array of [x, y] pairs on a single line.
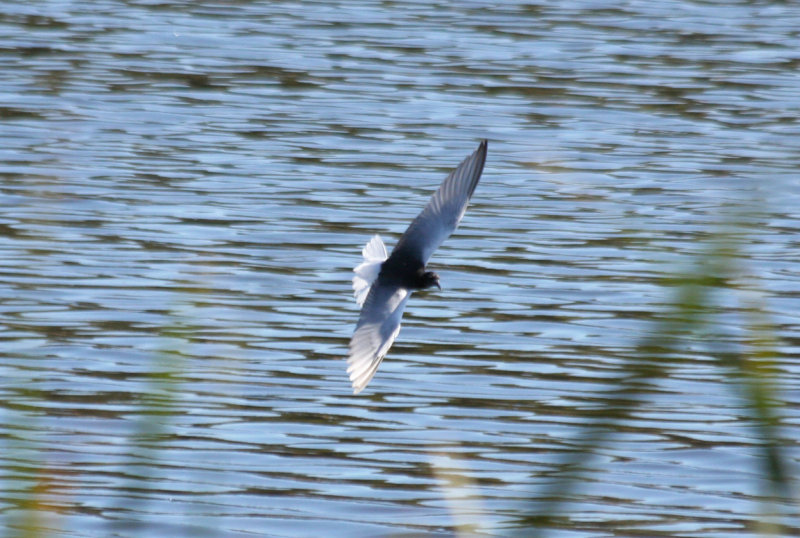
[[382, 283]]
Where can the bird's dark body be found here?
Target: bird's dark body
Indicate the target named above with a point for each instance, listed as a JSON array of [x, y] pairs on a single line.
[[406, 272]]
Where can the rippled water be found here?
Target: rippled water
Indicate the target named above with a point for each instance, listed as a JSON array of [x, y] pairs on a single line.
[[185, 187]]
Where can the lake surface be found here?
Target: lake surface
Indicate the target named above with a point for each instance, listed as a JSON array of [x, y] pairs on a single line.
[[185, 188]]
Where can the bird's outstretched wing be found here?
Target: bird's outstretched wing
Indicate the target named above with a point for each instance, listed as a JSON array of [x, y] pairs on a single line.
[[444, 211], [377, 328]]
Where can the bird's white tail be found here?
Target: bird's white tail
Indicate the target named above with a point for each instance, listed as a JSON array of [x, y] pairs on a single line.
[[374, 253]]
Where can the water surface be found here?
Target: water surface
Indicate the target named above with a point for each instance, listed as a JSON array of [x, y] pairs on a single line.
[[185, 188]]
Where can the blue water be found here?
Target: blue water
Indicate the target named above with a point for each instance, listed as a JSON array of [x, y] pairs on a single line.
[[186, 187]]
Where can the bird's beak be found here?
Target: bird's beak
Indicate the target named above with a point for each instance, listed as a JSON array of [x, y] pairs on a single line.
[[438, 286]]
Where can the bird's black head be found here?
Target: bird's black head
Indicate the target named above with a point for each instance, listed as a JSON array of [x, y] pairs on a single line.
[[429, 280]]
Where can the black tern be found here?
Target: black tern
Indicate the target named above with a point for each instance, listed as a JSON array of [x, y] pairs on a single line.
[[383, 283]]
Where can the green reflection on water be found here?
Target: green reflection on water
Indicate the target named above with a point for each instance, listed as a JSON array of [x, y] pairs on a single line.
[[747, 362]]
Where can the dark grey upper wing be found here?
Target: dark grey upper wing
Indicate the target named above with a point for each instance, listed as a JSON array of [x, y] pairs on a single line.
[[444, 211], [378, 326]]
